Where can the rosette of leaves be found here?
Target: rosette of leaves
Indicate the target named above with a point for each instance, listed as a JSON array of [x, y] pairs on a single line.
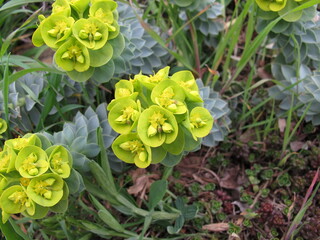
[[208, 23], [84, 34], [172, 121], [220, 112], [273, 9], [301, 91], [80, 136], [34, 177], [28, 95], [141, 53], [297, 40]]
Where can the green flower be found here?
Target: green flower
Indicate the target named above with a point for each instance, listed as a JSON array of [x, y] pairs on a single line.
[[79, 5], [123, 88], [91, 32], [31, 162], [151, 81], [60, 160], [62, 7], [169, 95], [3, 183], [123, 117], [7, 160], [46, 190], [16, 200], [56, 29], [28, 140], [199, 123], [271, 5], [103, 10], [186, 80], [37, 39], [72, 55], [156, 126], [3, 126], [130, 149]]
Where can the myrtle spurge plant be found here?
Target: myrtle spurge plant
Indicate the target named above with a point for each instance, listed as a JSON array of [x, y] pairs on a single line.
[[32, 177], [157, 115], [79, 32], [274, 8]]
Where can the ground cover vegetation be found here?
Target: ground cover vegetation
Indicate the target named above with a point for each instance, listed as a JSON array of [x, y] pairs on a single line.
[[160, 119]]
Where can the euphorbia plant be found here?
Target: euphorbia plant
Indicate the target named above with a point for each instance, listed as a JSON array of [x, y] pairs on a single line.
[[158, 116]]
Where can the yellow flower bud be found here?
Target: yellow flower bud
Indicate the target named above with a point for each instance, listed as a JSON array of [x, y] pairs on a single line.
[[152, 131], [48, 194], [167, 128], [125, 146], [143, 156]]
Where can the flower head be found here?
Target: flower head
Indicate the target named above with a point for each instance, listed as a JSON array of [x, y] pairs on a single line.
[[151, 81], [169, 95], [91, 32], [199, 123], [124, 115], [271, 5], [16, 200], [46, 190], [156, 126], [60, 161], [31, 162], [72, 55], [186, 80], [129, 148], [103, 10], [56, 29], [28, 140]]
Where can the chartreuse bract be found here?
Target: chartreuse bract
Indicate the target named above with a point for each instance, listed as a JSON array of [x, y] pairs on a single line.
[[273, 8], [3, 126], [157, 115], [32, 176], [79, 32]]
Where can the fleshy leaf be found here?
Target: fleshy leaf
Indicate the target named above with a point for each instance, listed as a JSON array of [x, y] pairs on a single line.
[[101, 56]]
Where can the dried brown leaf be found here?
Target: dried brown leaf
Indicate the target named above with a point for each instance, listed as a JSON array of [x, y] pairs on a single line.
[[216, 227], [282, 124]]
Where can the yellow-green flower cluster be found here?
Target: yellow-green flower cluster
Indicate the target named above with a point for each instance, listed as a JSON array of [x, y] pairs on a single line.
[[79, 31], [32, 178], [156, 115], [281, 7]]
